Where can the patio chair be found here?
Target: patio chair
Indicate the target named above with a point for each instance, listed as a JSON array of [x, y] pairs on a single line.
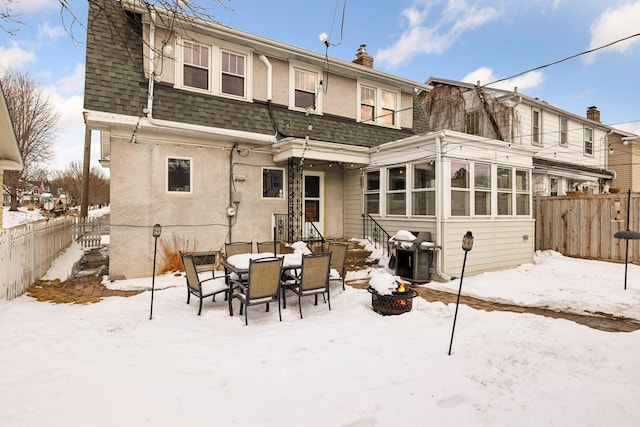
[[313, 279], [262, 285], [197, 287], [269, 246], [235, 248], [338, 259]]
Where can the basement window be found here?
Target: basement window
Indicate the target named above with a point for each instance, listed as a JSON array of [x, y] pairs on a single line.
[[179, 175]]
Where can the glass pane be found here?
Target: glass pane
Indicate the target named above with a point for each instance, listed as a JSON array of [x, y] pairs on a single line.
[[372, 204], [396, 204], [388, 100], [522, 204], [504, 203], [312, 186], [459, 203], [196, 77], [504, 178], [482, 175], [482, 203], [423, 203], [424, 175], [459, 174], [232, 85], [522, 180], [272, 183], [305, 99], [305, 80], [179, 175], [367, 95], [373, 180], [366, 113], [311, 210], [397, 179], [388, 117]]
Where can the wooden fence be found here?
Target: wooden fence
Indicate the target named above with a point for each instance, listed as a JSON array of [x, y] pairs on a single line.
[[583, 226], [28, 251]]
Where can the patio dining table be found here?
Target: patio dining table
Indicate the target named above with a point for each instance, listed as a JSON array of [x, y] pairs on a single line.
[[239, 264]]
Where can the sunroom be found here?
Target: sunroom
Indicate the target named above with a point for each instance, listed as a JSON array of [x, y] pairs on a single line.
[[448, 183]]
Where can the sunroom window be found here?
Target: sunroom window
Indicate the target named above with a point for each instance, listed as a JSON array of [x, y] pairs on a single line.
[[372, 193], [396, 191], [505, 191], [423, 194], [482, 189], [460, 188]]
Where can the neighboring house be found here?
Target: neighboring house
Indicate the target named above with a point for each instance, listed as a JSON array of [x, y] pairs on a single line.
[[10, 157], [211, 132], [624, 157], [569, 151]]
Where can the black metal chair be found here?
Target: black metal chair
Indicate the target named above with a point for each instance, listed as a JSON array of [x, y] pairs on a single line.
[[199, 288], [339, 259], [262, 285], [313, 279]]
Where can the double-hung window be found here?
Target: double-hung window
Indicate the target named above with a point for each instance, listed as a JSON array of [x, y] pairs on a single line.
[[472, 122], [305, 88], [233, 74], [460, 188], [522, 192], [378, 106], [179, 174], [372, 193], [505, 191], [482, 188], [423, 195], [588, 141], [195, 71], [564, 130], [536, 126], [396, 190]]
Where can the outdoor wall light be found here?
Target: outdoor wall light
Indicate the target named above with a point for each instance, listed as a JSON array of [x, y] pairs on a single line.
[[467, 243]]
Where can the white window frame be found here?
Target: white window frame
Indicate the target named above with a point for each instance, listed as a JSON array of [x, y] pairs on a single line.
[[389, 192], [378, 116], [166, 180], [536, 126], [215, 68], [222, 73], [466, 190], [563, 125], [429, 190], [522, 191], [485, 190], [293, 66], [283, 190], [503, 190], [372, 192], [588, 141]]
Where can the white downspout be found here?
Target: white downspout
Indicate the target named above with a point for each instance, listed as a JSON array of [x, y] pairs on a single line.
[[152, 68], [269, 75], [439, 198]]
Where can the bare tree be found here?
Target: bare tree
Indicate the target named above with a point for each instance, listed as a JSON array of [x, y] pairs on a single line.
[[34, 120], [71, 178]]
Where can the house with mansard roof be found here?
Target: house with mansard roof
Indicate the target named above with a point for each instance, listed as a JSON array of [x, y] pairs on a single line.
[[222, 135]]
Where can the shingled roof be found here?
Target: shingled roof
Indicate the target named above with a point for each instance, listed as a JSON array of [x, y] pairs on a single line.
[[115, 83]]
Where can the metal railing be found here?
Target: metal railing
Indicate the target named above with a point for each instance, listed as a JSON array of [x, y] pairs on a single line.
[[290, 229], [374, 232]]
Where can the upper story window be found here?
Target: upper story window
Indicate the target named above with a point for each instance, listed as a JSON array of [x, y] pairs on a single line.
[[536, 126], [372, 193], [377, 105], [564, 131], [222, 71], [588, 141], [179, 174], [304, 89], [472, 122], [233, 74], [195, 65]]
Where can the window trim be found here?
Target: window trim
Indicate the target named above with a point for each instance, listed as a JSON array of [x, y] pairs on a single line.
[[166, 177], [388, 191], [284, 183], [368, 191], [476, 116], [378, 114], [587, 141], [293, 65], [222, 73], [428, 190], [180, 64]]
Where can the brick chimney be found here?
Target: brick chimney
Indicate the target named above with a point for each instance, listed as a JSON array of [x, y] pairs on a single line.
[[363, 58], [593, 113]]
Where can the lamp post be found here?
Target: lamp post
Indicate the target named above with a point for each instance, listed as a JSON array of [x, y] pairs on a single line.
[[157, 230], [467, 244]]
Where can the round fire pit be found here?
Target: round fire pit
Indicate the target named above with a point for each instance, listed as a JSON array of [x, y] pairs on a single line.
[[396, 303]]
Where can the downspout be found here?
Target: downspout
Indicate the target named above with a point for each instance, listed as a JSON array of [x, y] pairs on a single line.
[[439, 198], [269, 75]]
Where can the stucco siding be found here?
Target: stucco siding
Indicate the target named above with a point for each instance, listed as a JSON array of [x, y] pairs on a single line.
[[497, 245]]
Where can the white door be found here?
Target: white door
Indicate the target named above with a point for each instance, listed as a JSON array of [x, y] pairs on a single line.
[[313, 201]]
